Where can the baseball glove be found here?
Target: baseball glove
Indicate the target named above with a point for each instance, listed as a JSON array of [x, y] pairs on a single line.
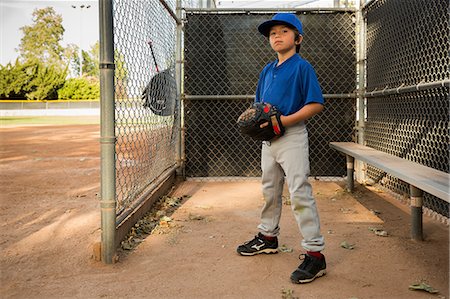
[[249, 122], [160, 93]]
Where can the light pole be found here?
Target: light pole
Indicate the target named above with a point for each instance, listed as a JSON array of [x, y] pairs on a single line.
[[81, 7]]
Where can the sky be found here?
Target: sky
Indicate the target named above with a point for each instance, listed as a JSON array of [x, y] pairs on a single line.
[[81, 24], [274, 3]]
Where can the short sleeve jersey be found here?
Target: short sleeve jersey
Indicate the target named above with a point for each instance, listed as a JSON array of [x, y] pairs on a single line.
[[289, 86]]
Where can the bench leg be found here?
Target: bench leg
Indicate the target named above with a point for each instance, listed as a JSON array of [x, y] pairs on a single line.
[[350, 171], [416, 213]]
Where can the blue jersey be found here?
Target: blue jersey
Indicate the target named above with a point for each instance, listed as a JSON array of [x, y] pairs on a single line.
[[289, 86]]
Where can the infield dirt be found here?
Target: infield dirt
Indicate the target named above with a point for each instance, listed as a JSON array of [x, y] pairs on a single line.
[[50, 219]]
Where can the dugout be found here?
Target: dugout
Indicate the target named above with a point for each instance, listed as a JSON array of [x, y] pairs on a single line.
[[383, 68]]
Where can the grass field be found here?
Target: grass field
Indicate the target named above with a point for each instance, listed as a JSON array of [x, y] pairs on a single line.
[[8, 121]]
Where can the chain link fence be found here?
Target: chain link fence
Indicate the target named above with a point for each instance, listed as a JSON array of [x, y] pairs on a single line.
[[146, 105], [224, 54], [408, 45]]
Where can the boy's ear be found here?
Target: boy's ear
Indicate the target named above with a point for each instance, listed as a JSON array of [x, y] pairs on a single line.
[[299, 39]]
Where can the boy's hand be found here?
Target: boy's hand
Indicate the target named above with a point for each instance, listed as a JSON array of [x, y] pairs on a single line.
[[303, 114], [262, 126], [282, 117]]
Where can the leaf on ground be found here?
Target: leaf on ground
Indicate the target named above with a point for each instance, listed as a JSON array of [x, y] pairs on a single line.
[[155, 221], [346, 245], [166, 218], [288, 294], [285, 248], [379, 232], [165, 221], [160, 214], [423, 287], [147, 229], [173, 201], [196, 217], [204, 207], [369, 182], [346, 210], [127, 246]]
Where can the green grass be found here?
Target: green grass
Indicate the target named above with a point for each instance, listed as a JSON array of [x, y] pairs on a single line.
[[7, 121]]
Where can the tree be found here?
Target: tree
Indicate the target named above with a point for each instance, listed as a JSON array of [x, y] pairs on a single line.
[[80, 89], [15, 79], [31, 80], [43, 64], [72, 59], [91, 61], [46, 82], [41, 68], [42, 39], [121, 74]]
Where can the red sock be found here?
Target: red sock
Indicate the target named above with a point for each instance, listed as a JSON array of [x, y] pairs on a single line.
[[316, 254], [271, 239]]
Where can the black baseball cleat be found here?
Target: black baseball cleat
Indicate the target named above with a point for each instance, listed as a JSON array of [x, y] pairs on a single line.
[[258, 245], [311, 268]]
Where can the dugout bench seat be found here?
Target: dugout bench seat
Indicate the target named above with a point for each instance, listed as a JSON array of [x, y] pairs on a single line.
[[420, 178]]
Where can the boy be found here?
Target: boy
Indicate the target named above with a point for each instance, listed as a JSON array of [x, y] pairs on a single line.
[[290, 84]]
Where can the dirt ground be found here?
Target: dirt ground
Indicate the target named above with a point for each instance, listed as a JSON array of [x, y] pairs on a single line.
[[50, 219]]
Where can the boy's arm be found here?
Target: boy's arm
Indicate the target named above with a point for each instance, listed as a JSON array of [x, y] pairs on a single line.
[[303, 114], [312, 95]]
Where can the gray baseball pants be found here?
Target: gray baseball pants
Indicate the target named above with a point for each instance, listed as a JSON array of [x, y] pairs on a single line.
[[288, 157]]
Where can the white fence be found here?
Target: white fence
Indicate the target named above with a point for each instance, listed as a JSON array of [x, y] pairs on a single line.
[[53, 108]]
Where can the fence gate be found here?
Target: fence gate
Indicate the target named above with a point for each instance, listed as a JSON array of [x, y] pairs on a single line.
[[224, 54]]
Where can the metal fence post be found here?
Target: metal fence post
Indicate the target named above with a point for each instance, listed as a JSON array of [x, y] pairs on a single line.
[[180, 93], [107, 134], [360, 102]]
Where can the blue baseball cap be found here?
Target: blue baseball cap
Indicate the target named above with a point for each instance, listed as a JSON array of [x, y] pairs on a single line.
[[281, 19]]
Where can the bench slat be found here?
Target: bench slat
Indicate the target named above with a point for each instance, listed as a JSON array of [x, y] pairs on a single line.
[[425, 178]]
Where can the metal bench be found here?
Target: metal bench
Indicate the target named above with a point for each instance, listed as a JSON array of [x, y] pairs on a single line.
[[420, 178]]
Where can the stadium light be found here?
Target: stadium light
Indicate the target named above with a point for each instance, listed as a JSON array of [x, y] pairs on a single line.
[[82, 6]]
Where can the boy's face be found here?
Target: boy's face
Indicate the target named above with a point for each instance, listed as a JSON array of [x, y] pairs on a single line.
[[282, 39]]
